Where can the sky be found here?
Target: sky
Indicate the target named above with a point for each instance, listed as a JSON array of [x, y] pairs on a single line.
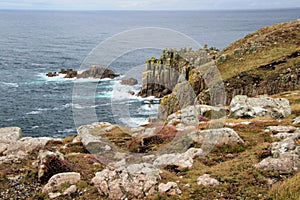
[[147, 4]]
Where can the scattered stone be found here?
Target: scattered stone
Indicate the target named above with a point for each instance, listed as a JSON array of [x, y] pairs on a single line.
[[10, 134], [170, 188], [133, 181], [280, 129], [70, 190], [206, 180], [296, 120], [59, 180], [52, 195], [178, 160], [222, 136], [130, 81], [285, 156], [245, 107]]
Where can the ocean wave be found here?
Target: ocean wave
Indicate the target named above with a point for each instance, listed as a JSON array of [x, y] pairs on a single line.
[[33, 113], [7, 84]]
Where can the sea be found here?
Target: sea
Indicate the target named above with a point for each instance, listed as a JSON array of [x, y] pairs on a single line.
[[33, 43]]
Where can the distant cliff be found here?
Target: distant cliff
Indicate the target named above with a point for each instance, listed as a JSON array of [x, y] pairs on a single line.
[[264, 62]]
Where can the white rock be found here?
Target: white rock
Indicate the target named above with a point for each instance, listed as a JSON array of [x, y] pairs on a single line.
[[242, 106], [52, 195], [206, 180], [170, 188], [10, 134], [280, 129], [58, 180], [296, 120], [70, 190]]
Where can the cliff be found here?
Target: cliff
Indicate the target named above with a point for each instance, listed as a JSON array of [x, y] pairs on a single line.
[[264, 62]]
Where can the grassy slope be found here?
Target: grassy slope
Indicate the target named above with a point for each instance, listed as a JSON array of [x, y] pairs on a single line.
[[260, 48]]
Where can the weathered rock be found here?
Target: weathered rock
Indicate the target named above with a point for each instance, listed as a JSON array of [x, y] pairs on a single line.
[[51, 74], [130, 81], [133, 181], [70, 190], [280, 129], [178, 160], [285, 156], [10, 134], [296, 120], [245, 107], [51, 163], [98, 72], [206, 180], [53, 195], [27, 145], [170, 188], [222, 136], [190, 115], [58, 180]]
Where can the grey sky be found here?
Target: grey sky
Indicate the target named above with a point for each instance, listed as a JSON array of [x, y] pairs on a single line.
[[147, 4]]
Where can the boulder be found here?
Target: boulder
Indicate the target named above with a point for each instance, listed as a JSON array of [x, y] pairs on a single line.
[[296, 120], [191, 115], [170, 188], [206, 180], [178, 160], [280, 129], [244, 107], [130, 81], [219, 137], [58, 180], [10, 134], [135, 181], [70, 190], [285, 156], [51, 163], [27, 145], [98, 72]]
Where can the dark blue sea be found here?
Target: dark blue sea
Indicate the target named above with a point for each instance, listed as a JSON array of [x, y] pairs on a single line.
[[33, 43]]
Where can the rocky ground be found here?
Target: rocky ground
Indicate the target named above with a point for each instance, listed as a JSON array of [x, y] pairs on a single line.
[[250, 158]]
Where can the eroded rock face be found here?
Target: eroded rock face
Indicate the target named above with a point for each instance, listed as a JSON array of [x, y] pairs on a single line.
[[285, 156], [10, 134], [133, 181], [206, 180], [170, 188], [58, 180], [98, 72], [244, 107], [130, 81], [280, 132], [178, 160], [222, 136]]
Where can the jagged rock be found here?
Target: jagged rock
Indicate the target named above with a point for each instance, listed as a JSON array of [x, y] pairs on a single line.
[[296, 120], [206, 180], [98, 72], [59, 180], [27, 145], [222, 136], [178, 160], [51, 163], [285, 156], [170, 188], [133, 181], [130, 81], [244, 107], [51, 74], [10, 134], [190, 115]]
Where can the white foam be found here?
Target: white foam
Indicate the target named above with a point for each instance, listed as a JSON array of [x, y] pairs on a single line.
[[33, 113], [15, 85]]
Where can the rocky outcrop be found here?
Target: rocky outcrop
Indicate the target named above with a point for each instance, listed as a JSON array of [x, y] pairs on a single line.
[[170, 188], [206, 180], [280, 132], [98, 72], [130, 81], [10, 134], [285, 156], [134, 181], [245, 107]]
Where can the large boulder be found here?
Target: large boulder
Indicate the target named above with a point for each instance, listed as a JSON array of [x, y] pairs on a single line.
[[134, 181], [10, 134], [57, 181], [242, 106], [178, 161], [27, 145], [219, 137], [98, 72], [285, 156]]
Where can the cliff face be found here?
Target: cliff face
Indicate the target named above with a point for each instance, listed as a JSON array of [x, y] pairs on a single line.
[[161, 75], [264, 62]]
